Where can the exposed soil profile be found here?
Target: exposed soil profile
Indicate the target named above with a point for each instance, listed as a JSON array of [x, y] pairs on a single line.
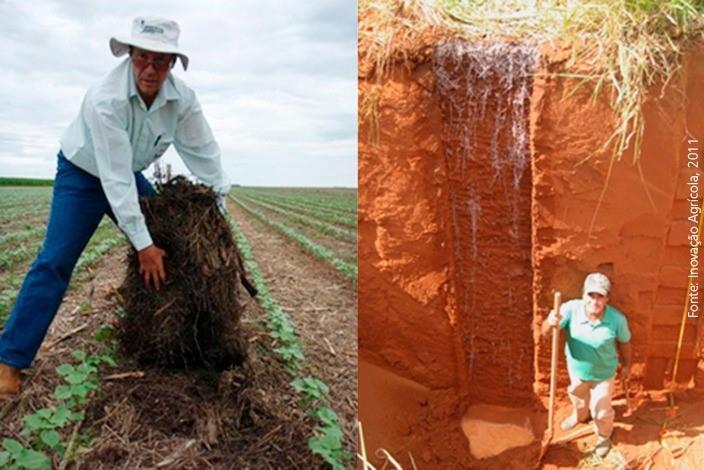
[[484, 91], [477, 200]]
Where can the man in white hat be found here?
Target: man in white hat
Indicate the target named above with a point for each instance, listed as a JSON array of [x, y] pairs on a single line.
[[596, 334], [126, 122]]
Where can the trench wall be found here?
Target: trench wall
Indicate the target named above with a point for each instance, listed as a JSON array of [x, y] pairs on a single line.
[[405, 308], [638, 235]]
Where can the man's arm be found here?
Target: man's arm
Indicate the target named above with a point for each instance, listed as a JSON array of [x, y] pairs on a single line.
[[195, 143], [623, 343], [624, 350], [113, 158]]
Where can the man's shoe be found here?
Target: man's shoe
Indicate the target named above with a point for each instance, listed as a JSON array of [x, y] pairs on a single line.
[[10, 382], [603, 445], [570, 422]]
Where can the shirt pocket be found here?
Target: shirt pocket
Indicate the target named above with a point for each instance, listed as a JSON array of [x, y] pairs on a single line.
[[160, 148]]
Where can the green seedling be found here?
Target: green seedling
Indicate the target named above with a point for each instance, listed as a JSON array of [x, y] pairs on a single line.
[[326, 415], [85, 307], [328, 444], [120, 313], [81, 379], [103, 333], [44, 425], [7, 299], [291, 354], [312, 389], [16, 456]]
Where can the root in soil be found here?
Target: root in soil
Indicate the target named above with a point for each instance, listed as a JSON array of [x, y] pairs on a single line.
[[194, 319]]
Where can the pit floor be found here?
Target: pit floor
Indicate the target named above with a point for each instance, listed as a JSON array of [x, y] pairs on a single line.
[[422, 427]]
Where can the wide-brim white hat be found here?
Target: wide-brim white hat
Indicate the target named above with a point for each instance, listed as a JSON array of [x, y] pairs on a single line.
[[151, 34]]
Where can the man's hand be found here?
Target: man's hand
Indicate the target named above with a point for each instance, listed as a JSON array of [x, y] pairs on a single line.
[[553, 318], [151, 265], [551, 321], [222, 203]]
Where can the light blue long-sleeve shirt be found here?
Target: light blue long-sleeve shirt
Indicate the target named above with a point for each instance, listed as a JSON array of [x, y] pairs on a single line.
[[115, 135]]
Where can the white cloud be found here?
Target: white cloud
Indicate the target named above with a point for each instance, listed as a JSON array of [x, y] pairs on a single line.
[[277, 81]]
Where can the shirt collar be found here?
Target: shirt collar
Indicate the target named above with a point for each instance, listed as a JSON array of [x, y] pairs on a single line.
[[584, 319]]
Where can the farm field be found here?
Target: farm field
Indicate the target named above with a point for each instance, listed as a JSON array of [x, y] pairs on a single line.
[[86, 406]]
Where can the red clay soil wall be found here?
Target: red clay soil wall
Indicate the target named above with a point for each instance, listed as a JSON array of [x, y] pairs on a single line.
[[639, 236], [405, 313]]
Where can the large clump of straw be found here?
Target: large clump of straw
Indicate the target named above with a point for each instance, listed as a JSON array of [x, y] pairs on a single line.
[[194, 319]]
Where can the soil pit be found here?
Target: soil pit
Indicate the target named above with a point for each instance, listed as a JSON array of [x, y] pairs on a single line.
[[477, 201]]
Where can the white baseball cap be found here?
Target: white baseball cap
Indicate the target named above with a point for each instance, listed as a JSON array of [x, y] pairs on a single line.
[[151, 34], [597, 282]]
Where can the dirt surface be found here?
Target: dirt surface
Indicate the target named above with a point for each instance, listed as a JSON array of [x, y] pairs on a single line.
[[150, 417], [416, 424], [406, 309], [321, 303]]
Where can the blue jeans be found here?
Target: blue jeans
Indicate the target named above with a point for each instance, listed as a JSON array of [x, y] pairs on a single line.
[[77, 207]]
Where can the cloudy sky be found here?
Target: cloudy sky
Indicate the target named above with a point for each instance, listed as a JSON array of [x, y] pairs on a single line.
[[276, 80]]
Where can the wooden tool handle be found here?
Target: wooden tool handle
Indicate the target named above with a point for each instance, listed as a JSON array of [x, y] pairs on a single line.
[[553, 362]]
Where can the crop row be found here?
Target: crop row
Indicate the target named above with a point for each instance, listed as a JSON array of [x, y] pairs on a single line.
[[320, 252], [21, 214], [37, 201], [320, 227], [18, 194], [4, 181], [96, 250], [327, 441], [342, 196], [9, 259], [40, 197], [348, 208], [328, 216], [16, 237], [51, 433]]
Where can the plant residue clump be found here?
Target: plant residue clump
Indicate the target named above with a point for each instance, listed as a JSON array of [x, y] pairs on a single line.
[[194, 319]]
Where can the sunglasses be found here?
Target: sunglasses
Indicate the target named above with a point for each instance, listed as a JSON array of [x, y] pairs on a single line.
[[160, 62]]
